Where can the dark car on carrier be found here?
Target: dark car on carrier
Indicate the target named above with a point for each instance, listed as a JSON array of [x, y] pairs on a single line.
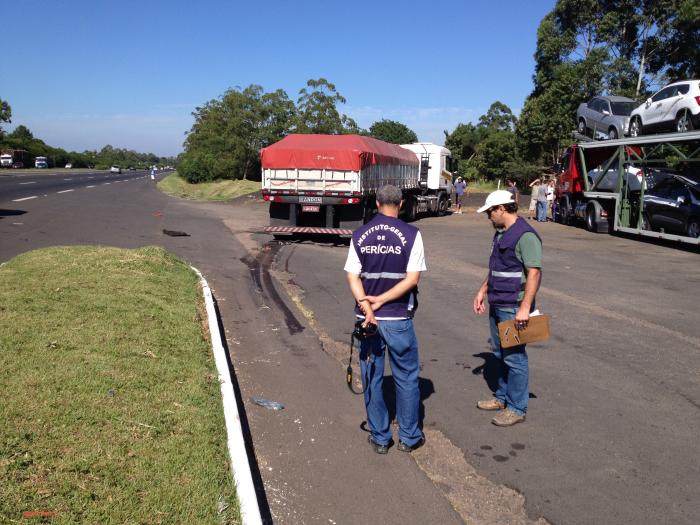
[[672, 205]]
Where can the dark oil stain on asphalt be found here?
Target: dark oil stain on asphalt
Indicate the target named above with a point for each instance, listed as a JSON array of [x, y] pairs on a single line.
[[486, 447], [513, 453], [500, 458], [517, 446], [478, 454], [260, 273]]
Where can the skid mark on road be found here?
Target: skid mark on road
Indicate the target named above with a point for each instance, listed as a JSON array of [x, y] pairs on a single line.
[[259, 267]]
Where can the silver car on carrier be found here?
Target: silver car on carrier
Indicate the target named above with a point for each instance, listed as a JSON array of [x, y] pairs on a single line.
[[609, 115]]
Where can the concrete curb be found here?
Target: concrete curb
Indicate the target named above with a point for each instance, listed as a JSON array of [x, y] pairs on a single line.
[[240, 465]]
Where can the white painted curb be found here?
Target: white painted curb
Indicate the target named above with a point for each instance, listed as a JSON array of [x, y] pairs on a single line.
[[250, 511]]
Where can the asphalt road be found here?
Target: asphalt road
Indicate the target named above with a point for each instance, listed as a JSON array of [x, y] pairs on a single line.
[[22, 187], [611, 435]]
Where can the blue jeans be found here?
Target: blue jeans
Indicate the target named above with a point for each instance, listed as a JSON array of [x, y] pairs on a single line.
[[512, 365], [399, 338], [542, 211]]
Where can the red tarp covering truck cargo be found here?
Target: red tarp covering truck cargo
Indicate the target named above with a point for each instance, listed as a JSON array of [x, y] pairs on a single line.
[[327, 183]]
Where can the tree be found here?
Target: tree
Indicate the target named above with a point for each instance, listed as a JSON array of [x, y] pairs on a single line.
[[228, 133], [318, 112], [5, 114], [393, 132], [498, 117], [495, 155], [21, 133], [463, 140]]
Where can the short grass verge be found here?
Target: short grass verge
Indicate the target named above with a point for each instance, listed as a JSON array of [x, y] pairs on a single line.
[[219, 190], [110, 408]]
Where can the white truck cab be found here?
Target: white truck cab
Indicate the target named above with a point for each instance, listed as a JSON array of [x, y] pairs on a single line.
[[436, 165]]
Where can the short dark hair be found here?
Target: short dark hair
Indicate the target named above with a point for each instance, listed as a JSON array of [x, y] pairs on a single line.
[[389, 194], [511, 207]]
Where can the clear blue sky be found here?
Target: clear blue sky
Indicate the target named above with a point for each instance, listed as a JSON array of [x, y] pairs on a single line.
[[82, 74]]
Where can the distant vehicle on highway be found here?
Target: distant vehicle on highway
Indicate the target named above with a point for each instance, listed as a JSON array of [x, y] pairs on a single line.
[[609, 115], [675, 108], [131, 168], [15, 158], [69, 166], [41, 162], [115, 169]]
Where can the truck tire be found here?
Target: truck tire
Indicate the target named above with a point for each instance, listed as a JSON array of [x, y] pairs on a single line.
[[411, 209], [591, 220], [565, 212], [443, 205], [594, 219]]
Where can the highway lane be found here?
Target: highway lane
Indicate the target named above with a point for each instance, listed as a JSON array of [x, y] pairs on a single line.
[[17, 188]]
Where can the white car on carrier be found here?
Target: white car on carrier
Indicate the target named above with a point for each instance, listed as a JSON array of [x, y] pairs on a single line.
[[675, 107]]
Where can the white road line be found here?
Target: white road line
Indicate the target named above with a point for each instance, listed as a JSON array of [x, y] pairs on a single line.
[[67, 179], [91, 177], [24, 199], [89, 186], [21, 183], [105, 184], [64, 191]]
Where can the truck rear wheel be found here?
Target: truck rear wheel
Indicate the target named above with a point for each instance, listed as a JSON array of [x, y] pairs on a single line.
[[565, 212], [591, 222], [443, 205], [411, 209]]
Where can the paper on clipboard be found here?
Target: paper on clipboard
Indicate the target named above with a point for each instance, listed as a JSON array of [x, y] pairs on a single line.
[[537, 329]]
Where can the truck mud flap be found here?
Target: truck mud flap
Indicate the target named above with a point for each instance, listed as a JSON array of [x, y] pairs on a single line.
[[307, 229]]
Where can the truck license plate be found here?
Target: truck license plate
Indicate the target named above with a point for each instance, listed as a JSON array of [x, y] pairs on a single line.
[[314, 200], [310, 208]]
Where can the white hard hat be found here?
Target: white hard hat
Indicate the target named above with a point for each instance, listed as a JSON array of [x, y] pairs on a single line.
[[496, 198]]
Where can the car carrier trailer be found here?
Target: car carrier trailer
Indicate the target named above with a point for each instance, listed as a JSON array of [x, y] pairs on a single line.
[[611, 186], [327, 184]]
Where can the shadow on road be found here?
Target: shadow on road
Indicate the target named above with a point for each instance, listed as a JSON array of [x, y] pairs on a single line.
[[425, 386], [490, 370], [10, 213]]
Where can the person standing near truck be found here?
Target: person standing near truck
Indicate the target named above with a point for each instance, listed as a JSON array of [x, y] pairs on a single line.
[[534, 190], [460, 188], [384, 265], [542, 202], [512, 188], [515, 270]]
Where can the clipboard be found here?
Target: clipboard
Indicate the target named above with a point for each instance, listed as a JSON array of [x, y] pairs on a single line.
[[537, 330]]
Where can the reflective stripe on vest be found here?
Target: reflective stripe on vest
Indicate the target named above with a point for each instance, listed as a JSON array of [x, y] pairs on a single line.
[[510, 275], [382, 275]]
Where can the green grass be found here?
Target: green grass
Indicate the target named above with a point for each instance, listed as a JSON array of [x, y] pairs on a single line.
[[219, 190], [110, 408], [481, 186]]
